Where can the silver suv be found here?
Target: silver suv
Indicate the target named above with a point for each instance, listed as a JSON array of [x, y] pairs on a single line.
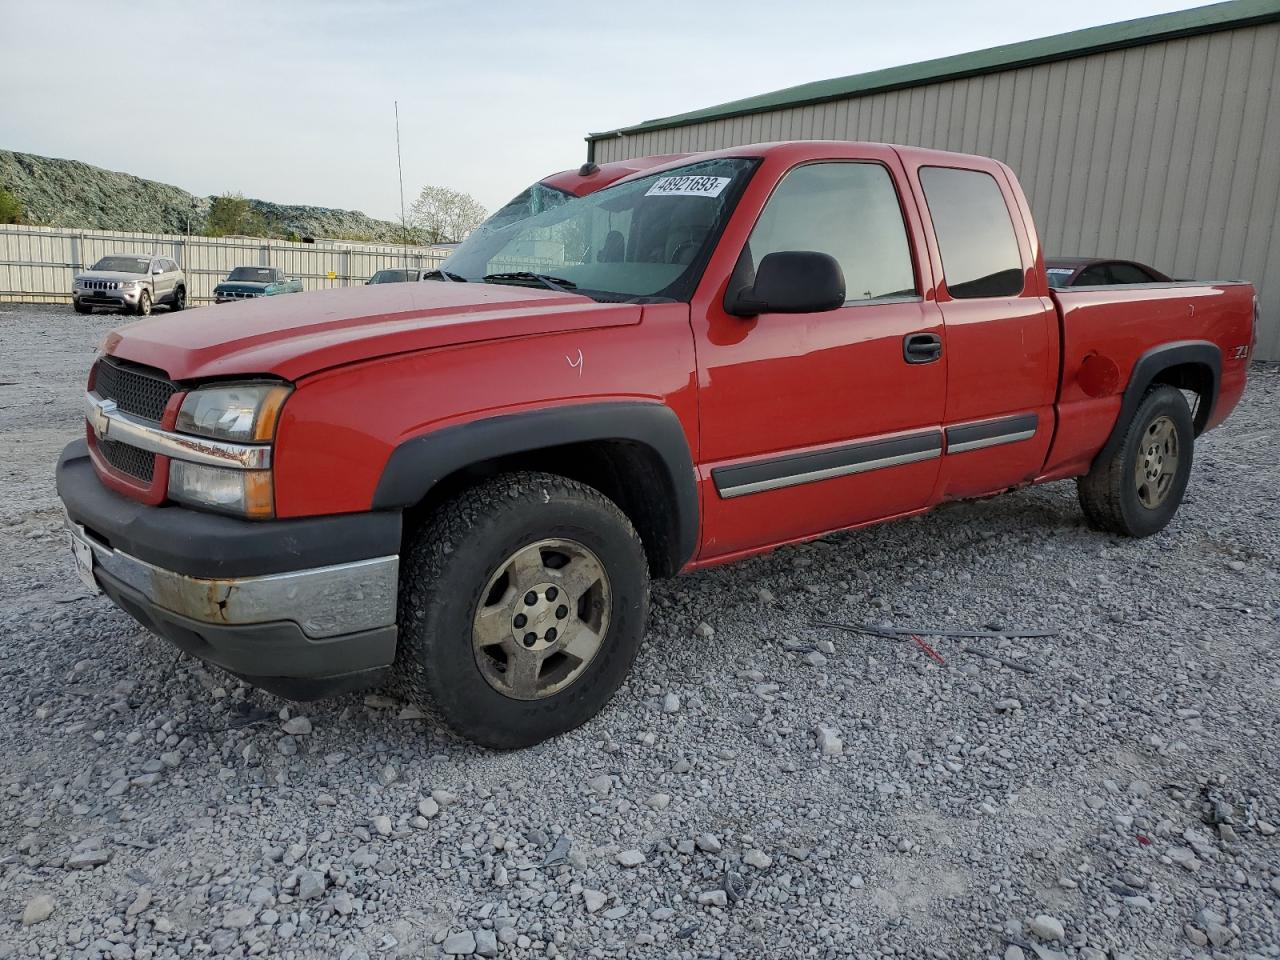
[[131, 283]]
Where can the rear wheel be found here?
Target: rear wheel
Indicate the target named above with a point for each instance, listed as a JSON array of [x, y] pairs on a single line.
[[1138, 489], [522, 607], [143, 309], [179, 299], [82, 308]]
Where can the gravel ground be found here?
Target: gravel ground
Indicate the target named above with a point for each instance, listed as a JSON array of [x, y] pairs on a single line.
[[760, 788]]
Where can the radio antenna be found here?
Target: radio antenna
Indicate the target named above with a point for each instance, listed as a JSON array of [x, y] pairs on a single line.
[[404, 224]]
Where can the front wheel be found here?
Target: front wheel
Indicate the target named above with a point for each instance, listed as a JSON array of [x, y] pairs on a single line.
[[522, 607], [143, 309], [82, 308], [1138, 489]]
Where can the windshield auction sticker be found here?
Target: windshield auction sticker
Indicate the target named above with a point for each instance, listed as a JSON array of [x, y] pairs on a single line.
[[688, 187]]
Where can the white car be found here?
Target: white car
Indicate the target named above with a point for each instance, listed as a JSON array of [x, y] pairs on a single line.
[[131, 283]]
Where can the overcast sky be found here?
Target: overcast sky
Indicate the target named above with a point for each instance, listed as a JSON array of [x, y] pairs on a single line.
[[291, 100]]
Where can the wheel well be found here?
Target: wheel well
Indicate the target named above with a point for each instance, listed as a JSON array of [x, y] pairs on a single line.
[[630, 474], [1197, 378]]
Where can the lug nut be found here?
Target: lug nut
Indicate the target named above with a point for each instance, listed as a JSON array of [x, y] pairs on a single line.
[[530, 599], [530, 639], [561, 612], [520, 620], [551, 593], [551, 634]]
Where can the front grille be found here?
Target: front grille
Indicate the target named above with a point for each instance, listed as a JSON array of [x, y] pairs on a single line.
[[136, 390], [139, 464], [238, 294], [101, 284]]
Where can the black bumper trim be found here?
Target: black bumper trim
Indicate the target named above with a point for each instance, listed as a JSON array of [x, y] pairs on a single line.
[[210, 545], [277, 657]]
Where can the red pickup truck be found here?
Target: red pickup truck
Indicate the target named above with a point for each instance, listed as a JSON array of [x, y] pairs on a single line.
[[468, 483]]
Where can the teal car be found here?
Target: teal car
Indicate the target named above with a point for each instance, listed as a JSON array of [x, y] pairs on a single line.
[[245, 283]]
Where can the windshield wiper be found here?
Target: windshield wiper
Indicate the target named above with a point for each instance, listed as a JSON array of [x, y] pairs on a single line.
[[558, 284], [444, 275]]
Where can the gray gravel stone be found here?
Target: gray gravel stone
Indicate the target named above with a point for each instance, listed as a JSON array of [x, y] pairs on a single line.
[[88, 859], [631, 858], [1046, 927], [829, 742], [460, 944], [601, 785], [486, 943], [38, 909], [311, 885]]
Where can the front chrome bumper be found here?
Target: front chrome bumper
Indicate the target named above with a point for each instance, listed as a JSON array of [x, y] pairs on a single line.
[[324, 602], [103, 297]]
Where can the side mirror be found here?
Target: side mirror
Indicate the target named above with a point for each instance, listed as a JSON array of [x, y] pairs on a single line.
[[792, 281], [156, 268]]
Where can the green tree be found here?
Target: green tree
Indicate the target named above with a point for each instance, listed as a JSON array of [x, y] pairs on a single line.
[[11, 210], [231, 214]]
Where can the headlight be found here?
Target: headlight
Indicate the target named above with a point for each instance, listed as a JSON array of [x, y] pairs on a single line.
[[240, 412], [237, 413], [129, 285], [244, 493]]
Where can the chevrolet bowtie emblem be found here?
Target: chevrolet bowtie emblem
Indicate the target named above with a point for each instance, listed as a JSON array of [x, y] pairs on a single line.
[[100, 420]]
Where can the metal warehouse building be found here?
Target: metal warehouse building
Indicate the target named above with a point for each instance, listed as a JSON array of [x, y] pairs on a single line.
[[1155, 140]]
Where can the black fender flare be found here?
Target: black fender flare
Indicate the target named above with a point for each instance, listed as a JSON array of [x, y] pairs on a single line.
[[418, 464], [1149, 366]]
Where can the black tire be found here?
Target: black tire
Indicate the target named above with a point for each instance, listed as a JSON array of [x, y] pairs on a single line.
[[82, 308], [179, 300], [451, 560], [143, 309], [1111, 494]]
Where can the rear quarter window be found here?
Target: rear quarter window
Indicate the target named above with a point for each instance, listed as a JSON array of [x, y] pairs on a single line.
[[975, 233]]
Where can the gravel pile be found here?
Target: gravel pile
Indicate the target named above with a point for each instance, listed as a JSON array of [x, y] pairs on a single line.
[[760, 788]]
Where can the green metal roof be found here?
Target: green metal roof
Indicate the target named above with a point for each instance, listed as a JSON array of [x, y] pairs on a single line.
[[1130, 33]]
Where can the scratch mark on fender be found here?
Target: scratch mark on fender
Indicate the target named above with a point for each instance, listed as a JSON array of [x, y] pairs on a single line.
[[578, 365]]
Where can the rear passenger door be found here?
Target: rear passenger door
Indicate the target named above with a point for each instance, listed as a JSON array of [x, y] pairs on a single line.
[[162, 282], [1002, 335], [812, 422]]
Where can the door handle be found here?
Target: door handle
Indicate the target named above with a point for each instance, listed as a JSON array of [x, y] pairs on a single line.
[[921, 347]]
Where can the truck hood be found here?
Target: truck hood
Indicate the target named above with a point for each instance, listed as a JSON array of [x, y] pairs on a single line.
[[247, 286], [291, 337]]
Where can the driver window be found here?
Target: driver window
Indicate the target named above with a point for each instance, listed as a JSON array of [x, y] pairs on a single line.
[[848, 210]]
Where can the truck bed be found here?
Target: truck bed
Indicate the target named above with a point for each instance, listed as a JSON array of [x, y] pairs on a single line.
[[1114, 326]]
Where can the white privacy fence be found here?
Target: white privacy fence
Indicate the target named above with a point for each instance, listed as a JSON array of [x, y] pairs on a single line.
[[37, 263]]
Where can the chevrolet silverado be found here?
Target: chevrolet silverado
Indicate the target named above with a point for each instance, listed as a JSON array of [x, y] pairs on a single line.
[[467, 484]]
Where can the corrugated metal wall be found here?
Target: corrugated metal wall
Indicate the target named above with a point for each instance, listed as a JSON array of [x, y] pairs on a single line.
[[38, 263], [1167, 153]]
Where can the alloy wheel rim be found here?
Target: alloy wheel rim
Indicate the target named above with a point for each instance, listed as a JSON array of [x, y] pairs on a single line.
[[541, 619], [1157, 462]]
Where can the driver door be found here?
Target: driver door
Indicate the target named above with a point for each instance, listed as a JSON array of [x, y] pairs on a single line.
[[814, 422]]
